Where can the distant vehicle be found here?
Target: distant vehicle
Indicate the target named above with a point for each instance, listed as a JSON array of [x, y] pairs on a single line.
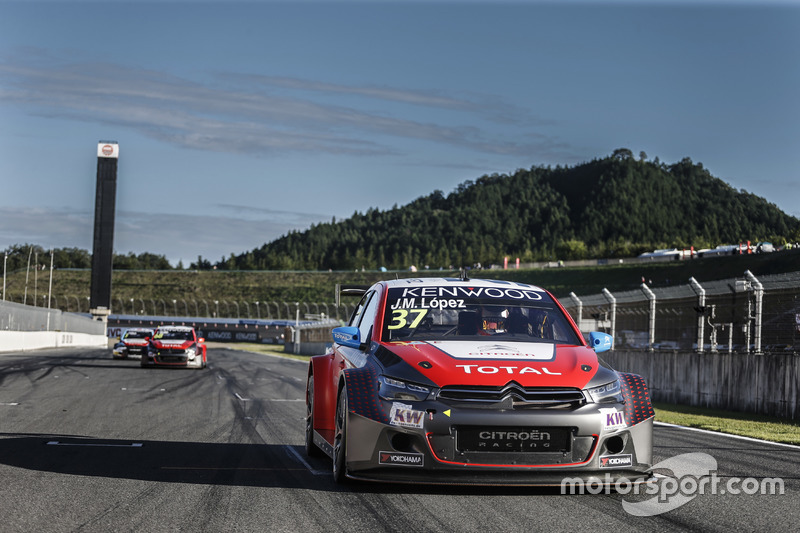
[[764, 248], [133, 342], [722, 249], [176, 346], [460, 381], [668, 253]]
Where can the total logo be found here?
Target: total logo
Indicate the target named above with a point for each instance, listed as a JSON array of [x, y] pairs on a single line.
[[341, 337], [507, 369], [401, 458]]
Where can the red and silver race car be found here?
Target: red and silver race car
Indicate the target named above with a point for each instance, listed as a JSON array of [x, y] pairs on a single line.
[[473, 381], [133, 342], [176, 346]]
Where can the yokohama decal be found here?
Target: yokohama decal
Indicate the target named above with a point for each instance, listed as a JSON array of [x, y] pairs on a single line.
[[401, 459]]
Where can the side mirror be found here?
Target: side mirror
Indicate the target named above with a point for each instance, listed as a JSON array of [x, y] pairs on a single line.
[[600, 342], [347, 336], [201, 340]]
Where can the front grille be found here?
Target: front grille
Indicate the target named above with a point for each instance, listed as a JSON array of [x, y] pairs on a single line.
[[162, 358], [512, 395], [512, 439], [172, 351]]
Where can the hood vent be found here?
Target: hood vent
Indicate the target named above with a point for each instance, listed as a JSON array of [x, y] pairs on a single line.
[[386, 357]]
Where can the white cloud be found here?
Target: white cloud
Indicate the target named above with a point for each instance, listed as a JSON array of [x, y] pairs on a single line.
[[245, 114]]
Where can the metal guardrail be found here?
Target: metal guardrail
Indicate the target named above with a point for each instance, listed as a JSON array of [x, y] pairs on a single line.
[[208, 308], [743, 315], [746, 314]]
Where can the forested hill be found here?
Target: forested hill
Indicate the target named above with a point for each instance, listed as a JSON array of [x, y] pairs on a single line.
[[613, 207]]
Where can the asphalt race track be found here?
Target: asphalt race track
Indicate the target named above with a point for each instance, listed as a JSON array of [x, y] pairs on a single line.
[[88, 443]]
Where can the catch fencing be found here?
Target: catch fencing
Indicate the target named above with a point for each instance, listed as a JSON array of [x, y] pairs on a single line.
[[741, 315]]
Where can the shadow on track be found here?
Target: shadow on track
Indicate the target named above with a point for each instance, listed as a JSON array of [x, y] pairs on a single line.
[[165, 461], [226, 464]]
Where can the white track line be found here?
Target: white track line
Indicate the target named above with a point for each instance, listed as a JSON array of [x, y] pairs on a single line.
[[56, 443], [304, 463]]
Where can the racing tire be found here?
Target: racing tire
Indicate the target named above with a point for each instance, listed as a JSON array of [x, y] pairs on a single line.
[[311, 449], [340, 439]]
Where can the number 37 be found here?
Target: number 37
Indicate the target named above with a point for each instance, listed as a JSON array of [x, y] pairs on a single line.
[[399, 318]]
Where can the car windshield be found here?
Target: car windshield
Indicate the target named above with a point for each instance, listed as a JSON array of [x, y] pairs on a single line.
[[171, 334], [447, 313], [137, 334]]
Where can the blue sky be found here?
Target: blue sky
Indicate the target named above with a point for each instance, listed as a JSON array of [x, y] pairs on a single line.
[[240, 121]]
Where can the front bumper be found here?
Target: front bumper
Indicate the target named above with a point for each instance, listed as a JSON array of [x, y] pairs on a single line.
[[137, 350], [124, 351], [120, 352], [433, 443], [173, 358]]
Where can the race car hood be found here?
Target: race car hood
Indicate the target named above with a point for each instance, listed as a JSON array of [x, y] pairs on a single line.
[[172, 344], [135, 342], [496, 363]]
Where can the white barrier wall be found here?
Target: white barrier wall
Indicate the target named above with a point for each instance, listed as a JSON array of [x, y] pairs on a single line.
[[767, 384], [21, 341], [25, 327]]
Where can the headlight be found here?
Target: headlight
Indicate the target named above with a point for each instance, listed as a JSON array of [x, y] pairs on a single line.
[[191, 352], [394, 389], [608, 393]]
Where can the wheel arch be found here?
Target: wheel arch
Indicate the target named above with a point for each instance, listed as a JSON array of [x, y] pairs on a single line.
[[324, 398], [638, 406]]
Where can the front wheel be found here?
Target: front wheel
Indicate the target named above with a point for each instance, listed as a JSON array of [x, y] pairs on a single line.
[[340, 439]]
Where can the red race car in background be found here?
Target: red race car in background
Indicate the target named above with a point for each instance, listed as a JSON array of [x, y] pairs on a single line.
[[176, 346], [473, 381], [133, 341]]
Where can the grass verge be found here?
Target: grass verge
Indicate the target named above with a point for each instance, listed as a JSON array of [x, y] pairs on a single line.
[[269, 349], [769, 428]]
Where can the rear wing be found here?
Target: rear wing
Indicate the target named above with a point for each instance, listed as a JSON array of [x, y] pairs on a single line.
[[349, 290]]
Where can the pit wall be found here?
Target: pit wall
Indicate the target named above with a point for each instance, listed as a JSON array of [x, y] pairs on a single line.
[[766, 384]]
